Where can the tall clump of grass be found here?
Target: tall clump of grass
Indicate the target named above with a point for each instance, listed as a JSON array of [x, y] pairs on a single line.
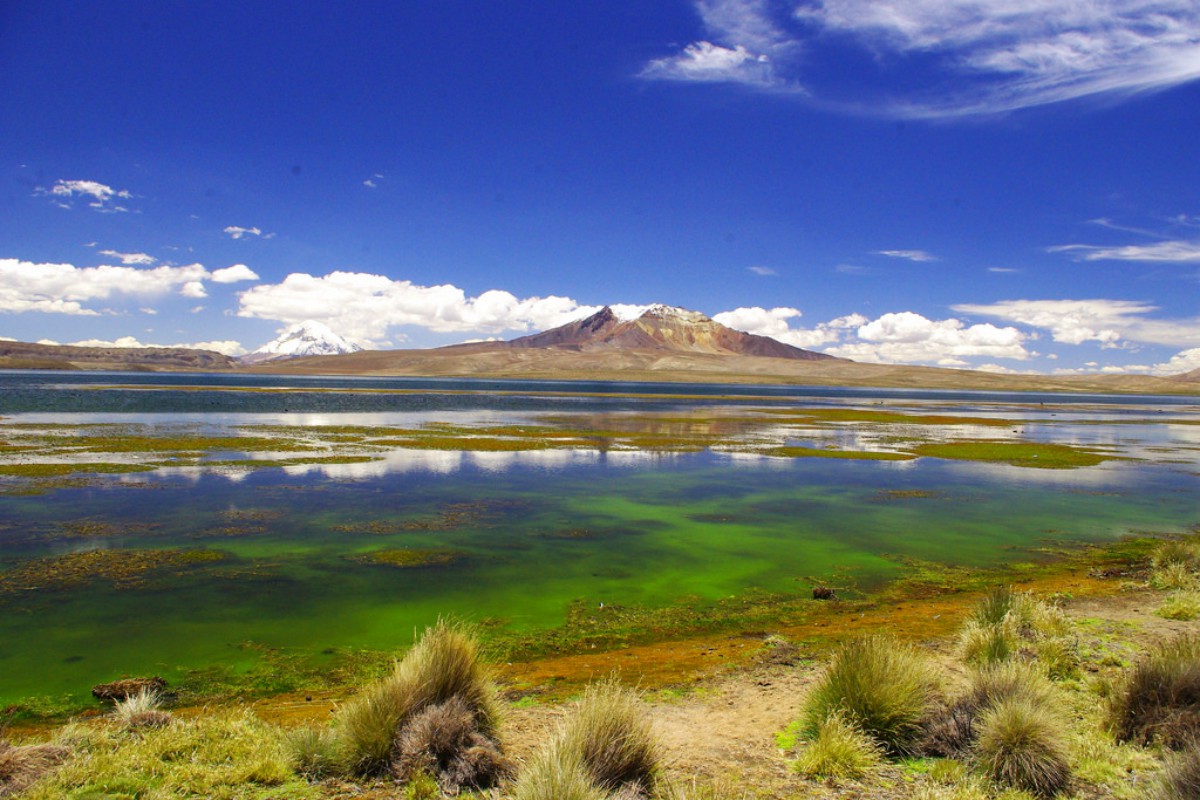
[[1022, 744], [839, 750], [141, 710], [1180, 779], [435, 713], [884, 687], [605, 746], [1159, 699], [954, 732], [1007, 624]]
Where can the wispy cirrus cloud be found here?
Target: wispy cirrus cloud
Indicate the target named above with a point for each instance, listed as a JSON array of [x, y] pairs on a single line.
[[968, 57], [131, 259], [762, 271], [745, 45], [909, 255], [238, 232], [99, 196], [1178, 251]]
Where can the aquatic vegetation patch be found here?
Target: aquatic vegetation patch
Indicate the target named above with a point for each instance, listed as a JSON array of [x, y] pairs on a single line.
[[52, 470], [124, 569], [87, 528], [412, 557], [1041, 455]]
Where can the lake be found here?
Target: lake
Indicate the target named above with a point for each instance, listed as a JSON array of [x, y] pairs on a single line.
[[172, 524]]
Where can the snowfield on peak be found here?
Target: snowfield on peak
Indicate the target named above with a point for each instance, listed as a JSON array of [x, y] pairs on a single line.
[[308, 338]]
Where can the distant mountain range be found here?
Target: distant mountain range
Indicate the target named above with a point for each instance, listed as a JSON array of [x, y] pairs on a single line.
[[662, 344]]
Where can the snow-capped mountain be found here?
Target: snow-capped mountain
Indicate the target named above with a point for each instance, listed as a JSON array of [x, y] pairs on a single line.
[[308, 338]]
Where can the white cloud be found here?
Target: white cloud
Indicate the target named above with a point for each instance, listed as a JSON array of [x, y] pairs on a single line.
[[193, 289], [910, 338], [226, 347], [1184, 361], [131, 259], [707, 62], [911, 255], [234, 274], [1106, 321], [1003, 270], [373, 181], [744, 45], [775, 323], [102, 197], [764, 271], [1179, 251], [363, 306], [65, 288], [237, 232], [976, 56]]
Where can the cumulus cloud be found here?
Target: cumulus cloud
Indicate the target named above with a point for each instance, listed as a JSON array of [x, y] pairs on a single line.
[[238, 232], [1178, 251], [131, 259], [364, 306], [910, 255], [1108, 322], [974, 56], [225, 347], [99, 196], [775, 322], [234, 274], [910, 338], [1184, 361], [67, 289]]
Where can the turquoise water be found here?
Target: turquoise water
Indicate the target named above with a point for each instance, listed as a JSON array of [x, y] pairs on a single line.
[[531, 532]]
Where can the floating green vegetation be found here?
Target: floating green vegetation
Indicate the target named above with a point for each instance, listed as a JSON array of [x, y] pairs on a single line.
[[185, 444], [412, 557], [93, 527], [449, 517], [125, 569], [909, 494], [52, 470], [792, 451], [1042, 455]]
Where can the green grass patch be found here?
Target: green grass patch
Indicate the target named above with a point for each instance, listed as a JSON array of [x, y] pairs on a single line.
[[410, 558], [1041, 455]]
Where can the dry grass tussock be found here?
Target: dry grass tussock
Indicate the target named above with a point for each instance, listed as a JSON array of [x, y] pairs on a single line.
[[436, 712], [606, 739], [1023, 744], [839, 750], [1180, 779], [141, 710], [1008, 624], [952, 731], [1159, 700], [886, 688], [21, 766]]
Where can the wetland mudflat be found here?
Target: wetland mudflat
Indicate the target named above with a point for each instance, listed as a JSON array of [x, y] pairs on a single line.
[[229, 531]]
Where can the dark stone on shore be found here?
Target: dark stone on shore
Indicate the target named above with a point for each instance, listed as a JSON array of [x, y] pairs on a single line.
[[126, 688], [824, 593]]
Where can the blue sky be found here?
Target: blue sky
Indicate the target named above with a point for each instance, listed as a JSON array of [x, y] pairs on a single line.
[[1005, 184]]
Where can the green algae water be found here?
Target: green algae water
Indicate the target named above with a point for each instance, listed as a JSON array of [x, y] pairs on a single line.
[[184, 569]]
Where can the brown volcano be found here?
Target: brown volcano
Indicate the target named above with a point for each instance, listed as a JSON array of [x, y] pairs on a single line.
[[662, 328]]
